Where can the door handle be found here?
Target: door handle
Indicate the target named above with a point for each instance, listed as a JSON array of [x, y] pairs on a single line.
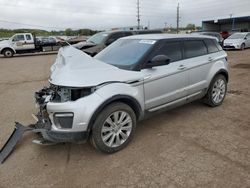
[[181, 67], [210, 59]]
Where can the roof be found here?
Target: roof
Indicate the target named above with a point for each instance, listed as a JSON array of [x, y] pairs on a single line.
[[166, 36]]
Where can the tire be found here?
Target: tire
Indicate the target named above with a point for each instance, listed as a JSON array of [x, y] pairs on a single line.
[[8, 53], [217, 91], [242, 47], [108, 135]]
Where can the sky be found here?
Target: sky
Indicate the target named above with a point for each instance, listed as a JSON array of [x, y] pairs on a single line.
[[106, 14]]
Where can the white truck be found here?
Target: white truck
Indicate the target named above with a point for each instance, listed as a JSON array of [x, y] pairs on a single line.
[[26, 43]]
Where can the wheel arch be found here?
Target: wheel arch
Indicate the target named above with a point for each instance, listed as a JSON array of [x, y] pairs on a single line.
[[130, 101], [7, 48], [222, 72]]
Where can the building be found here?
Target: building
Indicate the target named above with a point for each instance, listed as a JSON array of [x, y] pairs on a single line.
[[227, 24], [129, 28]]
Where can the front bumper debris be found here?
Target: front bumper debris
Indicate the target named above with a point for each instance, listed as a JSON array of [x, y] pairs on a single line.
[[48, 137], [13, 140]]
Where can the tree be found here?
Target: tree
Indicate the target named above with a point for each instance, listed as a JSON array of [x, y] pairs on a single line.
[[68, 32], [190, 26]]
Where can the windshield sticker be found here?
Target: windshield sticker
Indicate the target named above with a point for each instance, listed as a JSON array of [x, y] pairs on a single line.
[[147, 41]]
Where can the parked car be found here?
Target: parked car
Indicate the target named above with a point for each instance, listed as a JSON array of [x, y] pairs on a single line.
[[103, 98], [237, 41], [101, 40], [214, 34], [224, 34]]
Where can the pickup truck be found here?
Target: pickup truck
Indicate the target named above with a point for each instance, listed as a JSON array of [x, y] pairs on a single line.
[[26, 43]]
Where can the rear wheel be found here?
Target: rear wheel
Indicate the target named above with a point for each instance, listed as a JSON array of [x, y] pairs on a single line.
[[8, 53], [113, 128], [217, 91]]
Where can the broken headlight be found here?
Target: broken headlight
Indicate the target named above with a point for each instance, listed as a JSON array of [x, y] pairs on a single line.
[[64, 94]]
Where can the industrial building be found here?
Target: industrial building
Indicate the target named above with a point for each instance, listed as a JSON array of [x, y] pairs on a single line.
[[227, 24]]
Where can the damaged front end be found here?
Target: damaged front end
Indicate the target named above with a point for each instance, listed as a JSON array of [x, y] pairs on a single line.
[[43, 126]]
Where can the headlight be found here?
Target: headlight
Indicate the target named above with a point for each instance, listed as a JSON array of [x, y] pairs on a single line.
[[64, 94]]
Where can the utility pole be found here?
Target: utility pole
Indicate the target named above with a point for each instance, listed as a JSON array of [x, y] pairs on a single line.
[[178, 18], [138, 14]]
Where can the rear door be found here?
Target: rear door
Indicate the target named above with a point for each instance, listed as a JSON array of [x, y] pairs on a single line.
[[29, 42], [167, 83], [199, 63]]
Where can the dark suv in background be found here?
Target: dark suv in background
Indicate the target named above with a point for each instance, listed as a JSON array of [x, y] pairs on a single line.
[[99, 41]]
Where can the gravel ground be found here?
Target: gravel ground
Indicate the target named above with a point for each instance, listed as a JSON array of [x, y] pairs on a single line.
[[191, 146]]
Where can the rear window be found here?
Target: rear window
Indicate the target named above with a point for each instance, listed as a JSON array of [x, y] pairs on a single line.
[[194, 48], [171, 49], [28, 37], [211, 46]]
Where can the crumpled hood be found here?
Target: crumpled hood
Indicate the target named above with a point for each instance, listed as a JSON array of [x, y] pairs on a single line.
[[74, 68], [233, 41]]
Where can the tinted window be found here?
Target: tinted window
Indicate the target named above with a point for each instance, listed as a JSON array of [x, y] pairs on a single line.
[[217, 45], [194, 48], [28, 37], [170, 49], [116, 36], [211, 46], [127, 34]]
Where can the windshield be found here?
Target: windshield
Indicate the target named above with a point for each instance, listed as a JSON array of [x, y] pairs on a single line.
[[125, 53], [98, 38], [237, 36]]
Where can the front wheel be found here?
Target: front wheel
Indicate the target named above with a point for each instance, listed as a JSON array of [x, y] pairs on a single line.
[[217, 91], [8, 53], [242, 47], [113, 128]]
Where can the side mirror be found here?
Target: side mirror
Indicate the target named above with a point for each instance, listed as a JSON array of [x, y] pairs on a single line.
[[158, 60]]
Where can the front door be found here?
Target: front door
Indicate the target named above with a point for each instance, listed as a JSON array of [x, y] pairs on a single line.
[[167, 83]]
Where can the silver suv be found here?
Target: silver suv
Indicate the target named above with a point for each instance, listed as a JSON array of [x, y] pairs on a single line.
[[103, 98]]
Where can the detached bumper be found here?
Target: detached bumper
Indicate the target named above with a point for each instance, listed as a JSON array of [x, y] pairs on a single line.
[[48, 135]]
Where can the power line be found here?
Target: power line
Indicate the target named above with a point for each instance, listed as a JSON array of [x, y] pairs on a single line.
[[32, 25]]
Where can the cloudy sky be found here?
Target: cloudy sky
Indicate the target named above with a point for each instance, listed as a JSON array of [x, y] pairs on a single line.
[[104, 14]]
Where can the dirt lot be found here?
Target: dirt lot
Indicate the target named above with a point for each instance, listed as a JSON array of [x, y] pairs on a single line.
[[191, 146]]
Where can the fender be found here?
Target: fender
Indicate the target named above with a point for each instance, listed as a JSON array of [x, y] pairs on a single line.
[[132, 102], [220, 66], [7, 47]]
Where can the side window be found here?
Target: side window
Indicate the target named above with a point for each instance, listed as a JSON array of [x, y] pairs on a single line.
[[194, 48], [125, 34], [217, 45], [18, 38], [116, 36], [211, 46], [171, 49], [113, 37], [28, 37]]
